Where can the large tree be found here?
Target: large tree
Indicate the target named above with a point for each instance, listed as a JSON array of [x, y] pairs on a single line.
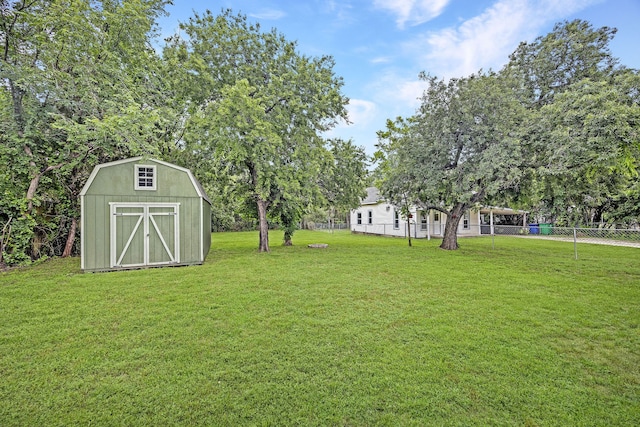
[[461, 148], [582, 123], [556, 129], [592, 132], [256, 110], [80, 85]]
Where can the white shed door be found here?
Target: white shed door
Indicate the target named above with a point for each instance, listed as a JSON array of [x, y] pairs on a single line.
[[144, 234]]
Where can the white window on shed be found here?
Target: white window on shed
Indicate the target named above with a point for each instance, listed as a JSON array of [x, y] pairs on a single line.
[[423, 220], [145, 178], [359, 216], [370, 217], [396, 219]]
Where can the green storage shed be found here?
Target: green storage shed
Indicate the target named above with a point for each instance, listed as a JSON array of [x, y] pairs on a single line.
[[141, 212]]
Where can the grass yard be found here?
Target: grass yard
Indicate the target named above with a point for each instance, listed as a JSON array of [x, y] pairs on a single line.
[[366, 332]]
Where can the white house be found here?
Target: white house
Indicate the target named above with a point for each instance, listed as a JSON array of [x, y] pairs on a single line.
[[377, 216]]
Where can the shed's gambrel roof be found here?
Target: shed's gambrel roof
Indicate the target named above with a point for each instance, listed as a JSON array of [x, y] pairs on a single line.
[[196, 184]]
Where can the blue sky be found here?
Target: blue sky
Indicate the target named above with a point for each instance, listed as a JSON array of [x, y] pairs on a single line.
[[380, 46]]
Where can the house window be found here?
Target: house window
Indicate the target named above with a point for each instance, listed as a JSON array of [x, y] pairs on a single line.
[[466, 221], [396, 219], [436, 216], [423, 220], [370, 217], [145, 178], [359, 216]]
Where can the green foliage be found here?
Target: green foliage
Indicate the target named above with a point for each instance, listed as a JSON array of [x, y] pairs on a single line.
[[624, 208], [80, 85], [290, 215], [596, 146], [583, 122], [571, 52], [520, 335], [555, 132], [255, 111], [17, 240], [462, 147], [345, 178]]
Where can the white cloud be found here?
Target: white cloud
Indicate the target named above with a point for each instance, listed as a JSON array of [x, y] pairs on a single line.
[[365, 118], [414, 12], [486, 40], [399, 93], [341, 11], [361, 112], [381, 60], [391, 97], [268, 14], [409, 92], [483, 41]]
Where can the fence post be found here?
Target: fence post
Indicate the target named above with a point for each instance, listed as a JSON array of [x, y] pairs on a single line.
[[575, 242], [493, 239]]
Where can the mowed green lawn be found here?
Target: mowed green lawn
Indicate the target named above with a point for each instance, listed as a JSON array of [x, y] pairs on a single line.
[[366, 332]]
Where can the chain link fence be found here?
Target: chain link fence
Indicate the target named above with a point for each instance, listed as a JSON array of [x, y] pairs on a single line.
[[609, 236], [596, 236], [599, 236], [326, 226]]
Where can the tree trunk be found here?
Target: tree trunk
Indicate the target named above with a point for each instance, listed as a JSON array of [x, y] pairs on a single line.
[[288, 234], [264, 226], [68, 247], [31, 192], [35, 180], [4, 238], [450, 238]]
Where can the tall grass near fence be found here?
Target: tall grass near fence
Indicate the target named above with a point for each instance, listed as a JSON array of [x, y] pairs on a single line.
[[367, 331]]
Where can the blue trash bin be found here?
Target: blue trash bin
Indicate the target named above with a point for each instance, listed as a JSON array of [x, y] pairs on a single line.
[[534, 228]]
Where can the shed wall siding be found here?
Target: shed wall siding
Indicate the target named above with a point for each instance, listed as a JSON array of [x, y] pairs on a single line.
[[206, 229], [116, 184], [97, 228]]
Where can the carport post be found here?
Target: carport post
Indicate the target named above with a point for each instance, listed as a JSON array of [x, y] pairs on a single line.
[[493, 235], [491, 221]]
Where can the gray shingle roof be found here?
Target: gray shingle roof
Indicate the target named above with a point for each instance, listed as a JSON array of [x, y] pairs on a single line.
[[373, 196]]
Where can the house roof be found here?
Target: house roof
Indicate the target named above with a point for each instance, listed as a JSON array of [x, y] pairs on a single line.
[[373, 196]]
